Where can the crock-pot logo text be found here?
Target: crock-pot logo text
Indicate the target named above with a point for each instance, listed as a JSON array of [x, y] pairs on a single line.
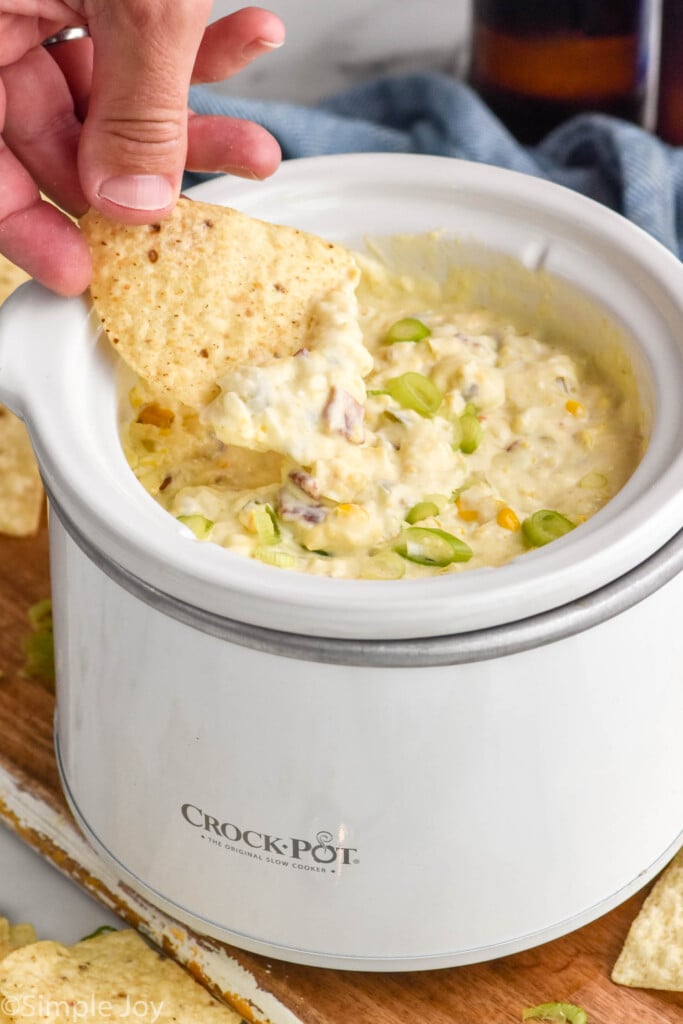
[[321, 850]]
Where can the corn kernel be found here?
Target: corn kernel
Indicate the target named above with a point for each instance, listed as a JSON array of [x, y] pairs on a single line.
[[347, 508], [134, 398], [156, 416], [507, 519], [469, 515], [574, 407]]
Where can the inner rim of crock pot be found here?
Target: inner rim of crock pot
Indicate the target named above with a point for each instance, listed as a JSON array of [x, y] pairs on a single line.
[[427, 652], [58, 376]]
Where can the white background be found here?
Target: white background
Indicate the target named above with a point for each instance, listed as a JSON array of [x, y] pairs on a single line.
[[331, 46]]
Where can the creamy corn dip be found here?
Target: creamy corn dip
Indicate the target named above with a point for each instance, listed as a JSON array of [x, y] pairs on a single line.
[[408, 438]]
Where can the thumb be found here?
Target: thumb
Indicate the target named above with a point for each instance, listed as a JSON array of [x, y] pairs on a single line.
[[134, 139]]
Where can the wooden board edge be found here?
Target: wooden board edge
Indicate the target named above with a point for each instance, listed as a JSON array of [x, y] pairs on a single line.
[[43, 822]]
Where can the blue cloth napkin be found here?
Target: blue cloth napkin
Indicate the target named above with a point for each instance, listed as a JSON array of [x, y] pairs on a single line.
[[609, 160]]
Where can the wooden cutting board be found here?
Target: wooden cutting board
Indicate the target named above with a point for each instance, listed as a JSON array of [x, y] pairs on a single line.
[[573, 969]]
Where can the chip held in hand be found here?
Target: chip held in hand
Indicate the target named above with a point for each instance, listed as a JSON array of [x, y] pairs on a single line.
[[186, 300]]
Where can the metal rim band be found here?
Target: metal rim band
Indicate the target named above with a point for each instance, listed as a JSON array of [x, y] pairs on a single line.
[[66, 35], [458, 649]]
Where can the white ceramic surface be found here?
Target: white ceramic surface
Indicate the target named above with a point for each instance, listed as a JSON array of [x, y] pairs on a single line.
[[368, 818]]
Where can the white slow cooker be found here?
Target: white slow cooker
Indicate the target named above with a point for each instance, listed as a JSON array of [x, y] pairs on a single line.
[[364, 774]]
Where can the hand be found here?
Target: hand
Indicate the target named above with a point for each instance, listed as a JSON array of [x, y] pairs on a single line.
[[104, 122]]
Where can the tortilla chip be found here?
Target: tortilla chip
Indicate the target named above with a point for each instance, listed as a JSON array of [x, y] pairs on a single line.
[[652, 956], [13, 936], [10, 278], [113, 976], [210, 288], [21, 492]]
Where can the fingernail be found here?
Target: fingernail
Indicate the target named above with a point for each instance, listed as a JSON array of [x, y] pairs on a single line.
[[242, 172], [138, 191], [260, 46]]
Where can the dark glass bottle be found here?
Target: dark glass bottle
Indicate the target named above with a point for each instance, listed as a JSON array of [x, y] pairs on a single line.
[[670, 106], [538, 62]]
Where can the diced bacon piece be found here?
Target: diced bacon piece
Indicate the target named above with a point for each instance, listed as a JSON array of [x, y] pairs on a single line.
[[344, 415], [305, 482], [291, 506]]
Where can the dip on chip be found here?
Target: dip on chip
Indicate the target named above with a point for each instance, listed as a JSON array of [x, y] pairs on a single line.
[[652, 956], [209, 288], [113, 976]]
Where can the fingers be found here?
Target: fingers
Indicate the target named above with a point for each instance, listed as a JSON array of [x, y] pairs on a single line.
[[34, 234], [75, 61], [135, 137], [134, 140], [41, 127], [231, 43], [231, 146], [48, 246]]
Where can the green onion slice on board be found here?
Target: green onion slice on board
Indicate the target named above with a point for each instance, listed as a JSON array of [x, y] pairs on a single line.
[[556, 1013]]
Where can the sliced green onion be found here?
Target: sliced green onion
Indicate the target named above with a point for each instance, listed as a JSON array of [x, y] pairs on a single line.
[[458, 435], [200, 525], [102, 930], [440, 500], [40, 614], [557, 1013], [545, 526], [39, 652], [428, 546], [593, 481], [415, 391], [373, 392], [271, 556], [265, 524], [386, 565], [472, 433], [408, 329], [39, 655], [422, 510]]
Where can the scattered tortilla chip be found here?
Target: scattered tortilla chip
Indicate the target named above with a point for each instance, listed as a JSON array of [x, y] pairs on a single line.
[[114, 976], [652, 956], [21, 492], [210, 288], [10, 278], [13, 936]]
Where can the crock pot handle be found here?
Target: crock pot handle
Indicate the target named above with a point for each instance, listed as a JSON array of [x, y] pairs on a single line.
[[27, 321]]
